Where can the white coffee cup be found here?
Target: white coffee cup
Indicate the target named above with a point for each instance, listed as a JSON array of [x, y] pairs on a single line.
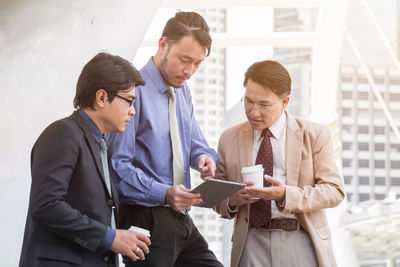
[[140, 230], [254, 174]]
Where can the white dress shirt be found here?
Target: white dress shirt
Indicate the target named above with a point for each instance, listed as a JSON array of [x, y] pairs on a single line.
[[278, 143]]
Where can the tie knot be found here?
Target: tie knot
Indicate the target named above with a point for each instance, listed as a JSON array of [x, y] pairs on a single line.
[[103, 145], [266, 132], [171, 92]]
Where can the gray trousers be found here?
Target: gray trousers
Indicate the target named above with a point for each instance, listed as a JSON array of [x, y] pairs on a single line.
[[278, 248]]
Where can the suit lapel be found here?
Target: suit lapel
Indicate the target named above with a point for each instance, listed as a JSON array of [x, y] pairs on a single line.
[[294, 147], [94, 147], [246, 138]]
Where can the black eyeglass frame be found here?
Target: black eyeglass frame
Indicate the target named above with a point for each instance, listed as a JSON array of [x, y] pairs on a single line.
[[129, 101]]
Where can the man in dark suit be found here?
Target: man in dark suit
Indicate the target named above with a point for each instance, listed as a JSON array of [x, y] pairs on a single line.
[[71, 212]]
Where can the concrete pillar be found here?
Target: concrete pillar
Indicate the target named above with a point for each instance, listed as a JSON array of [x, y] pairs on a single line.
[[326, 59], [43, 47]]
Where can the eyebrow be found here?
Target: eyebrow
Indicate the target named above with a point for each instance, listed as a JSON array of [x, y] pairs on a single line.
[[130, 97], [192, 59], [186, 56], [262, 101]]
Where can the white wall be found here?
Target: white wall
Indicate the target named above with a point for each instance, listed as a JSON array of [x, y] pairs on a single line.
[[43, 46]]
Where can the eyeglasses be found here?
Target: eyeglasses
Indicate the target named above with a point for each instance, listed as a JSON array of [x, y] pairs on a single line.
[[249, 104], [129, 101]]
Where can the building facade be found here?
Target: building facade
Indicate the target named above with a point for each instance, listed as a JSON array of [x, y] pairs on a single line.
[[370, 151], [208, 93]]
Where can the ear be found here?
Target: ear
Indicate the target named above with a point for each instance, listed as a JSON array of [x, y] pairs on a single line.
[[285, 101], [162, 44], [100, 98]]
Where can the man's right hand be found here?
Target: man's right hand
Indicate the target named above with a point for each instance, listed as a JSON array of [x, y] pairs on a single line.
[[241, 197], [126, 243], [179, 197]]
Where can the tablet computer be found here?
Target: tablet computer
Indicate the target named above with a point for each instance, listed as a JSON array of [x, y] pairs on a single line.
[[213, 191]]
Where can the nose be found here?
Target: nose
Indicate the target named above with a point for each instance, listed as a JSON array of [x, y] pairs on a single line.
[[189, 69], [132, 111], [255, 111]]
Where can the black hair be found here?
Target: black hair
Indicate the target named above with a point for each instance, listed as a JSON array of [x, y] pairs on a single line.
[[108, 72]]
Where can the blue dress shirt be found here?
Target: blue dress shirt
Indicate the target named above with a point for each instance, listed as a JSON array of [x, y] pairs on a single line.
[[106, 243], [142, 155]]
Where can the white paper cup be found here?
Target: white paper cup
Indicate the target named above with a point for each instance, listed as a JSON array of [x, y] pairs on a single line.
[[140, 230], [254, 174]]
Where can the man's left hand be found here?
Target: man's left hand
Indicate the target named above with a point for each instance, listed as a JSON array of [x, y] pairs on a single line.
[[274, 192], [207, 167]]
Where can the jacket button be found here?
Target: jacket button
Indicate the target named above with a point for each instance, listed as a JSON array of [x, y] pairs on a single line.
[[106, 258], [110, 202]]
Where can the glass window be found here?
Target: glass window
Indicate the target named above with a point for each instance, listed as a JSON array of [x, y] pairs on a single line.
[[394, 97], [363, 163], [380, 196], [347, 179], [379, 130], [346, 111], [347, 95], [379, 164], [346, 162], [395, 164], [379, 147], [363, 146], [363, 95], [347, 145], [363, 129], [395, 181], [364, 197], [379, 181], [363, 180]]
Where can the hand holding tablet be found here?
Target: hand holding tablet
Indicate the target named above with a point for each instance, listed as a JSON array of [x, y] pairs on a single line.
[[213, 191]]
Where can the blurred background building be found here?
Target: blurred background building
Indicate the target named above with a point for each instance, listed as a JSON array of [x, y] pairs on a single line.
[[208, 91], [370, 149], [370, 146], [341, 55]]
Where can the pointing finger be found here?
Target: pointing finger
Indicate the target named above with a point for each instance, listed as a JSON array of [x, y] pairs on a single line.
[[201, 162]]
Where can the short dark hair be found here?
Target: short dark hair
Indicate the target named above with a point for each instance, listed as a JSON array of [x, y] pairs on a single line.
[[270, 74], [188, 24], [108, 72]]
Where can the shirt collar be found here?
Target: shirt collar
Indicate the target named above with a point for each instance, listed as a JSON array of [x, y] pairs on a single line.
[[92, 126], [276, 128], [155, 75]]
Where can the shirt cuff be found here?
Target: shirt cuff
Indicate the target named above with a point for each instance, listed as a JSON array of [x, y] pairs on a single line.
[[232, 210], [158, 192], [108, 239], [281, 204]]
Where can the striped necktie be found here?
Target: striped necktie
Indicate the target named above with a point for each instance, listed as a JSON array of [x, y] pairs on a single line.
[[106, 172], [177, 156]]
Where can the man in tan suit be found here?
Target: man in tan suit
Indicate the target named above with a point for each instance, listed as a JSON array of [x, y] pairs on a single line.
[[286, 226]]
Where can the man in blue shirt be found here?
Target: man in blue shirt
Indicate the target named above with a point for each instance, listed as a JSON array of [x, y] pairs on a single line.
[[70, 218], [145, 156]]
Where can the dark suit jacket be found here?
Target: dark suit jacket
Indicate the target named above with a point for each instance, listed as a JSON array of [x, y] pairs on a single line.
[[70, 207]]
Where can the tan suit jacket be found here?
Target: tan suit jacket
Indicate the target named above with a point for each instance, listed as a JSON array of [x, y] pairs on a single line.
[[313, 182]]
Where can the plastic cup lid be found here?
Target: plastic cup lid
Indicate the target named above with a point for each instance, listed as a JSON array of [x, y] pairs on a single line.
[[252, 169], [140, 230]]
